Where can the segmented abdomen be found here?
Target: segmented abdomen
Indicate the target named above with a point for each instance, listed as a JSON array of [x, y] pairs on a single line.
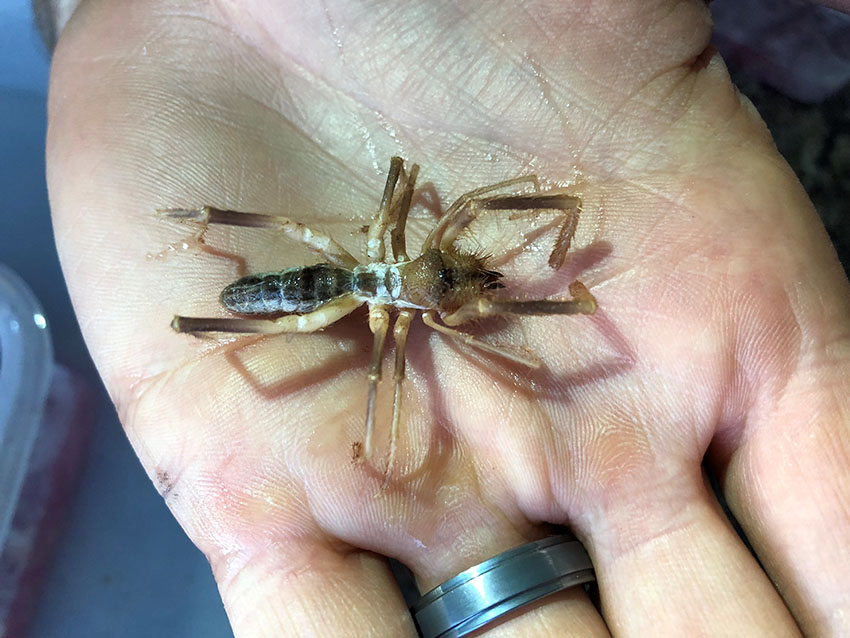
[[301, 289]]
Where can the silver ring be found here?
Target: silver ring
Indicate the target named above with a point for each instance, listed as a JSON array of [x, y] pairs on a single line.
[[491, 589]]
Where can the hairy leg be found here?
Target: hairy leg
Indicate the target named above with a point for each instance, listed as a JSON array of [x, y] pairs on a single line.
[[569, 205], [582, 303], [458, 206]]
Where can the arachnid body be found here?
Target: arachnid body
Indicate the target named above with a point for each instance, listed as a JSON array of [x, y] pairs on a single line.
[[449, 286]]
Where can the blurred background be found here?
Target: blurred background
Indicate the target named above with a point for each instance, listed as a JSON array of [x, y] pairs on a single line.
[[87, 547]]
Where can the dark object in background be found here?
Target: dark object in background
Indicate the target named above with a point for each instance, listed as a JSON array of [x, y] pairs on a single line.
[[798, 48], [815, 139], [791, 58]]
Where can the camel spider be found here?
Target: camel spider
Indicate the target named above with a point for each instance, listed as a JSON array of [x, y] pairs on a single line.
[[451, 287]]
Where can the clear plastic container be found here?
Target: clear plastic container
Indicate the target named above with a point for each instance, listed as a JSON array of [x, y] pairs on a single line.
[[26, 367]]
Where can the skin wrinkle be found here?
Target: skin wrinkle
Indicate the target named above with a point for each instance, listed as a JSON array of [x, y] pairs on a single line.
[[127, 398], [213, 538], [651, 80], [685, 85], [518, 60], [714, 123], [548, 96], [628, 454], [534, 509], [359, 97], [838, 454], [281, 573], [348, 173], [630, 510], [539, 25], [260, 50], [302, 557], [775, 376], [278, 112], [346, 169], [562, 504], [603, 126]]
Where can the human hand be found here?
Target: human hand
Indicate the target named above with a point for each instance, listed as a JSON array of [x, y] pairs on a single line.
[[722, 330]]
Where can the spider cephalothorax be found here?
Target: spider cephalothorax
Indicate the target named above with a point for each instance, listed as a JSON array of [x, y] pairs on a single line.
[[445, 281]]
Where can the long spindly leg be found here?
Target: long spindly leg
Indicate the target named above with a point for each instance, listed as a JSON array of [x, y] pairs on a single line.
[[375, 249], [378, 323], [569, 205], [400, 330], [582, 303], [461, 203], [313, 239], [310, 322], [524, 358], [397, 236]]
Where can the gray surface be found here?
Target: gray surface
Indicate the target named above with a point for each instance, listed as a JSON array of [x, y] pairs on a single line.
[[123, 567]]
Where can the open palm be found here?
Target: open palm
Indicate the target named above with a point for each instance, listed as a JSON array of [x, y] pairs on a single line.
[[722, 330]]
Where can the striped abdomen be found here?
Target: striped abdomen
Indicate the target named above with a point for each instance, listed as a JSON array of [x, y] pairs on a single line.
[[301, 289]]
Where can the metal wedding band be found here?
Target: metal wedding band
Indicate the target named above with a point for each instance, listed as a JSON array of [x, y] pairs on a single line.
[[491, 589]]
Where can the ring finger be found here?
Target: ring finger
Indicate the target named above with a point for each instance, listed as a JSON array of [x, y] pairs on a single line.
[[473, 533]]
